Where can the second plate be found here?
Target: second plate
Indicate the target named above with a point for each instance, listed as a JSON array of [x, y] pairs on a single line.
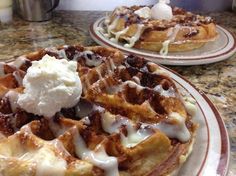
[[222, 48]]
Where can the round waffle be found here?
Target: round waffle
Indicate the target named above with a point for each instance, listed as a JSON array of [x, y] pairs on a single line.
[[130, 120], [185, 31]]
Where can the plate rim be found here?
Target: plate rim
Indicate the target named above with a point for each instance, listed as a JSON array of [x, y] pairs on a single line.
[[223, 165], [170, 60]]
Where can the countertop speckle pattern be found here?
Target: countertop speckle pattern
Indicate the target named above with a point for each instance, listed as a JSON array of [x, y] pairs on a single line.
[[217, 80]]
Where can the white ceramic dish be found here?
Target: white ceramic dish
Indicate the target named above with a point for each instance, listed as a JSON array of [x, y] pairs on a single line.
[[210, 154], [221, 49]]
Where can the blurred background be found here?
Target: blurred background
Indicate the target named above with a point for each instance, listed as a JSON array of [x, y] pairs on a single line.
[[192, 5], [41, 10]]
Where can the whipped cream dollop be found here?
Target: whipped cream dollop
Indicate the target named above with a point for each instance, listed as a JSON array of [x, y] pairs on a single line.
[[162, 11], [50, 84]]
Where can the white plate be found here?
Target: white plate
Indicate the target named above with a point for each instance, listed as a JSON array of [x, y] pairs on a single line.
[[222, 48], [210, 155]]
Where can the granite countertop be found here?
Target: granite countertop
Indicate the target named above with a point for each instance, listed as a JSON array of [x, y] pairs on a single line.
[[217, 80]]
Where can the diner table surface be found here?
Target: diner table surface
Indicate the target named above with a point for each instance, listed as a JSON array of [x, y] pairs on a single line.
[[217, 80]]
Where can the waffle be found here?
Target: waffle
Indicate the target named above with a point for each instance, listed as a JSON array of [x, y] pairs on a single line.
[[185, 31], [130, 120]]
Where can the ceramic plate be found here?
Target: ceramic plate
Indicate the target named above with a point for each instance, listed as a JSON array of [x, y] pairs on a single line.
[[222, 48], [210, 154]]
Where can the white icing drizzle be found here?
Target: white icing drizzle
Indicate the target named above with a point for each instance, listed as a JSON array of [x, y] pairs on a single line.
[[56, 143], [136, 84], [112, 26], [12, 97], [112, 124], [61, 53], [112, 64], [190, 30], [18, 62], [86, 120], [174, 33], [121, 67], [190, 105], [26, 129], [136, 79], [136, 36], [147, 104], [118, 34], [132, 84], [171, 34], [108, 65], [176, 129], [144, 12], [134, 137], [47, 163], [131, 40], [158, 71], [165, 48], [18, 77], [98, 157], [45, 160], [93, 61], [56, 129], [166, 93]]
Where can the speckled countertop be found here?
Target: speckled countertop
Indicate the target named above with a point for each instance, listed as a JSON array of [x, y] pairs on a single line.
[[217, 80]]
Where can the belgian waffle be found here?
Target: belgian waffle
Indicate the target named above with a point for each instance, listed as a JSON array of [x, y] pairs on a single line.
[[185, 31], [131, 120]]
